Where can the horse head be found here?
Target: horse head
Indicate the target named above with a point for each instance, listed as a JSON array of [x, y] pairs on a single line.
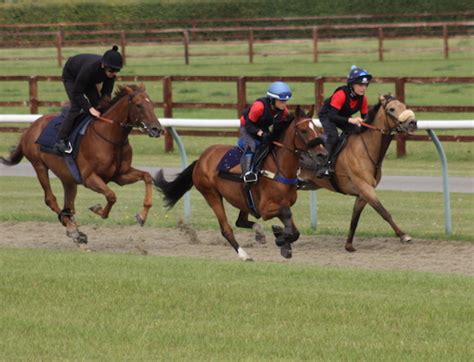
[[307, 138], [141, 111], [398, 117]]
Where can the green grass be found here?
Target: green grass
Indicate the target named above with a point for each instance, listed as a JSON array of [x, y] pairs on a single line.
[[73, 305]]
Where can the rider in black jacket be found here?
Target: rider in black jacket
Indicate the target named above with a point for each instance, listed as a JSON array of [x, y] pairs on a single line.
[[81, 74]]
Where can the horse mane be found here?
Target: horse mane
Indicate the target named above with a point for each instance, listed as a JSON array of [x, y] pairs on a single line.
[[119, 94], [373, 110]]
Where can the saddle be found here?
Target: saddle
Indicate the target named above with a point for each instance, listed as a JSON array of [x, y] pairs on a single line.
[[47, 140], [232, 159]]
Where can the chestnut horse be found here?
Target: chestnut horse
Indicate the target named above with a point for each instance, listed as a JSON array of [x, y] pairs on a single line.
[[358, 166], [272, 195], [104, 155]]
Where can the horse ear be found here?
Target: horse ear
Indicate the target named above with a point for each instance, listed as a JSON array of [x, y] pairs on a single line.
[[142, 86], [128, 89], [311, 111], [298, 111]]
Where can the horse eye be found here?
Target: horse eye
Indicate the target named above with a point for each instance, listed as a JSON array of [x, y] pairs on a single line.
[[392, 109]]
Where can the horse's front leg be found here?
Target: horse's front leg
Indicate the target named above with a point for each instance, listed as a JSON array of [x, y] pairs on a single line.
[[244, 222], [287, 235], [94, 182], [132, 176]]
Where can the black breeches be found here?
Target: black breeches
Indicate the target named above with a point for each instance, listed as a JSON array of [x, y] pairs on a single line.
[[332, 135]]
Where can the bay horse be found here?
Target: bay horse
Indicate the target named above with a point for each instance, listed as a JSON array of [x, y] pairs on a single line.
[[272, 195], [104, 155], [358, 168]]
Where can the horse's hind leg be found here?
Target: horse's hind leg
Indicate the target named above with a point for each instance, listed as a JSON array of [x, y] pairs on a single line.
[[215, 202], [356, 212], [70, 192], [244, 222], [43, 178], [65, 217]]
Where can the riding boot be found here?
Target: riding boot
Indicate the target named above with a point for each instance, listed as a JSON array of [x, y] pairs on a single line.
[[63, 146], [248, 175], [327, 169]]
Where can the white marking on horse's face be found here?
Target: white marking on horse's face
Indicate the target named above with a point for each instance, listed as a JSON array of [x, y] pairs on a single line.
[[148, 100], [311, 126]]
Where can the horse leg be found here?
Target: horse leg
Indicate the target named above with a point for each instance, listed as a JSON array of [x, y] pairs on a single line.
[[64, 216], [244, 222], [70, 192], [368, 193], [356, 212], [96, 184], [132, 176], [286, 235], [215, 202]]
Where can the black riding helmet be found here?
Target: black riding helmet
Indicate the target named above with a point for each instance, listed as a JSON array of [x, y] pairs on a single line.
[[112, 59]]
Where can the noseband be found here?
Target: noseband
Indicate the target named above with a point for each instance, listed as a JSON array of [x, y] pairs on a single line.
[[390, 114]]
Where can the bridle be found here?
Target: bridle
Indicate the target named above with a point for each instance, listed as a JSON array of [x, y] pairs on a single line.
[[398, 125], [298, 132], [131, 113]]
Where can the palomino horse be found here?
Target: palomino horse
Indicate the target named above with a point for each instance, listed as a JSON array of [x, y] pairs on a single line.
[[104, 155], [272, 195], [359, 164]]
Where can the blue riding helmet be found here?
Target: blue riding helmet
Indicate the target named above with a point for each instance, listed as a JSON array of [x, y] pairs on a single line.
[[358, 76], [280, 91]]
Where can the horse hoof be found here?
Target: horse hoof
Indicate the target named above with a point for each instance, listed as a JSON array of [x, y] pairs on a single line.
[[139, 220], [285, 251], [96, 209], [405, 238], [350, 248], [260, 238], [81, 238]]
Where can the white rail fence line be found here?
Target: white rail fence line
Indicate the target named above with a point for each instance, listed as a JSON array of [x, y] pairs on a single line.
[[428, 125], [234, 123]]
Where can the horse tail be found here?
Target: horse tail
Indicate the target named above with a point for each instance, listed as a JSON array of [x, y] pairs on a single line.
[[172, 191], [16, 154]]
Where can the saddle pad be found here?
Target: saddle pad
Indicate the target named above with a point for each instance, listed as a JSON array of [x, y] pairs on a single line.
[[230, 159], [48, 137], [47, 140]]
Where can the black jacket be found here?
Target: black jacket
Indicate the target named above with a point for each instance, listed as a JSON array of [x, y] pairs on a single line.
[[85, 71]]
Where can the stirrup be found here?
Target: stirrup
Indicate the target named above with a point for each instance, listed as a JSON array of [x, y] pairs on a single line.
[[324, 171], [250, 177], [69, 148], [63, 146]]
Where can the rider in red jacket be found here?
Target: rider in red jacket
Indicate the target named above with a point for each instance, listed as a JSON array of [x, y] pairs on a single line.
[[258, 122], [338, 110]]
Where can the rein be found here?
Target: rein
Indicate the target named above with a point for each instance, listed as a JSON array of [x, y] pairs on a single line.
[[276, 176], [383, 130]]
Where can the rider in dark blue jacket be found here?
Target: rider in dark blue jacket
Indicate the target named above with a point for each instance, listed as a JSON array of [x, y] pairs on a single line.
[[81, 74]]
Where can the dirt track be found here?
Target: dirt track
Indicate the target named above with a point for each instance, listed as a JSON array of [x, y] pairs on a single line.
[[372, 253]]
